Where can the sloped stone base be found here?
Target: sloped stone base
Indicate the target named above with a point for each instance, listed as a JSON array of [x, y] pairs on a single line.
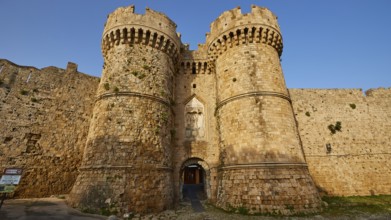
[[284, 189], [123, 190]]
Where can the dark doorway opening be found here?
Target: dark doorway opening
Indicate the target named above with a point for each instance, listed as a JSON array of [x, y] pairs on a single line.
[[194, 182], [193, 174]]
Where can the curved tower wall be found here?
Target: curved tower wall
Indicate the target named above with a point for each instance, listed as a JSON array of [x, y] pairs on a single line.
[[127, 158], [263, 168]]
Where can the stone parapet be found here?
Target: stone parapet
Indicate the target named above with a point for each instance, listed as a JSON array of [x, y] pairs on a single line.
[[233, 28], [195, 61], [153, 29]]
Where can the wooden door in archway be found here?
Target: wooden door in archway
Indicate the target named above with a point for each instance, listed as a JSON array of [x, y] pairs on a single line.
[[193, 174]]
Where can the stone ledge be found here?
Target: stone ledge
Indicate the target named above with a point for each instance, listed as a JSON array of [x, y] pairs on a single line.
[[262, 165]]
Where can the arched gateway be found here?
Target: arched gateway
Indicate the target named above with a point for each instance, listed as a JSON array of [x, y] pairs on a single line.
[[195, 174]]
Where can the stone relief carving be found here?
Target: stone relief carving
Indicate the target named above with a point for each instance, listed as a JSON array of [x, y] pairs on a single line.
[[194, 119]]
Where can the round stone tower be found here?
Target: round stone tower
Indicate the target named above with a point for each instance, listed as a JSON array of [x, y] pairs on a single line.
[[127, 160], [263, 169]]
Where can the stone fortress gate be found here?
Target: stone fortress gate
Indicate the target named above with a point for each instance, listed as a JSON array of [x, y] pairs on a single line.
[[164, 119], [163, 112]]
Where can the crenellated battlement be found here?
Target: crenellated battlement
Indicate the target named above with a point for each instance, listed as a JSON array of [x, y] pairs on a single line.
[[153, 29], [232, 28], [194, 61], [194, 66], [230, 19], [151, 19]]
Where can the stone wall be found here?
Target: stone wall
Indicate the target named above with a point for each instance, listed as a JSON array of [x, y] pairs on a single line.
[[357, 161], [195, 94], [129, 135], [45, 115], [281, 189]]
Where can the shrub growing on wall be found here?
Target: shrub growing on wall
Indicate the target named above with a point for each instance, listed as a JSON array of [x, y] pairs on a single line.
[[335, 128]]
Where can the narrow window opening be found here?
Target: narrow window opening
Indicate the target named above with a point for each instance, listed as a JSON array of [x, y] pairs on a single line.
[[194, 86], [193, 69]]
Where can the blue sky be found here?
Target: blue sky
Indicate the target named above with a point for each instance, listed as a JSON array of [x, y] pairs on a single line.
[[327, 44]]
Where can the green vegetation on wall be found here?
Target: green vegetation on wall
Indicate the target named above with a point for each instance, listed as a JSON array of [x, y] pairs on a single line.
[[335, 128]]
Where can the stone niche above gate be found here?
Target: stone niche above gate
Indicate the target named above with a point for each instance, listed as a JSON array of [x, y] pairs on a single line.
[[194, 120]]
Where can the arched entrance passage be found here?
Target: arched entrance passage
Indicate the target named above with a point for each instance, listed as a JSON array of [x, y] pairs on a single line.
[[195, 177]]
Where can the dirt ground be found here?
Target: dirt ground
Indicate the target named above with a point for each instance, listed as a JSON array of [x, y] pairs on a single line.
[[55, 208], [42, 209], [185, 212]]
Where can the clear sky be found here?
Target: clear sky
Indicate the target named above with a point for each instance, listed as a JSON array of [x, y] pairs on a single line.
[[327, 44]]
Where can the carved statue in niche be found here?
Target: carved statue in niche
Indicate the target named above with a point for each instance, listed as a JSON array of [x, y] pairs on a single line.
[[194, 119]]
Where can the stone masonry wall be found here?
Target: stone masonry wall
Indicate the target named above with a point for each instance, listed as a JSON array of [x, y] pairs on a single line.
[[358, 159], [261, 128], [194, 81], [260, 146], [130, 133], [45, 115], [269, 189]]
